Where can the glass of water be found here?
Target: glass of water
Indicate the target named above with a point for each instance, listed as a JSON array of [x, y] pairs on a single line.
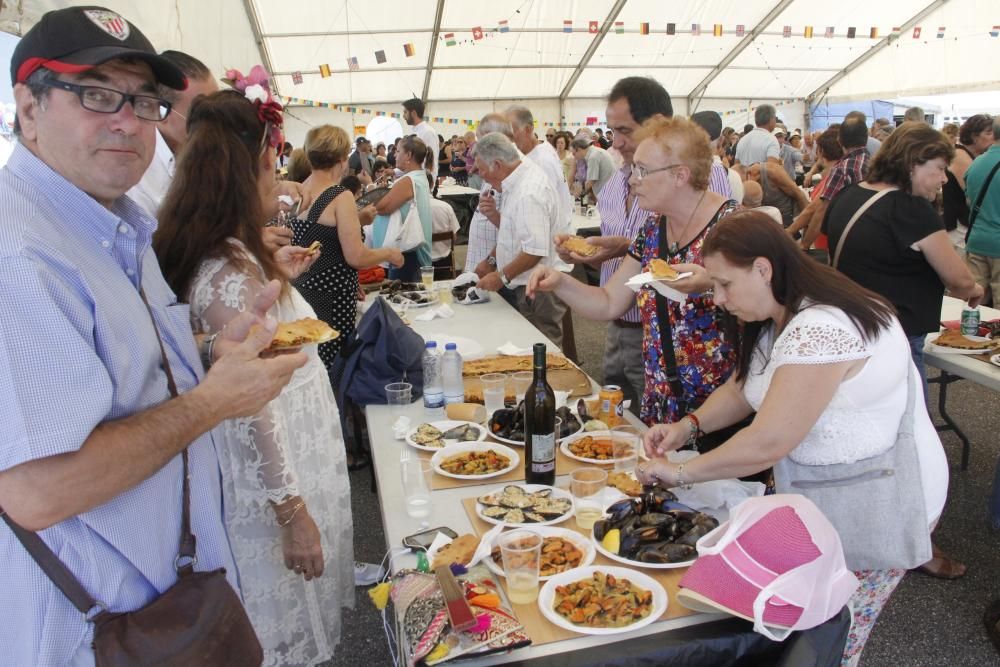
[[494, 389], [415, 473]]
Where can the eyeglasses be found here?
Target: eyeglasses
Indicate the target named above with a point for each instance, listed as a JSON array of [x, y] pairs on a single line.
[[106, 100], [642, 172]]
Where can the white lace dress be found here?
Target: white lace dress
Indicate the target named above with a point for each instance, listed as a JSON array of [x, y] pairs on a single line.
[[863, 416], [293, 447]]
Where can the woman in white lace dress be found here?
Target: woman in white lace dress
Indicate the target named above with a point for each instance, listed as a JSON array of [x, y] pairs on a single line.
[[287, 494], [825, 365]]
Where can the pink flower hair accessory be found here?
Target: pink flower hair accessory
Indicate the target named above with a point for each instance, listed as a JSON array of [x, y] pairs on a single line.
[[256, 88]]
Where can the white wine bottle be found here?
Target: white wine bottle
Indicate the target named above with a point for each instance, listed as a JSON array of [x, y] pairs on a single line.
[[540, 426]]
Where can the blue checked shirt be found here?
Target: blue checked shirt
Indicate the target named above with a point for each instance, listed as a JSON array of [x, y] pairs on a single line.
[[77, 348]]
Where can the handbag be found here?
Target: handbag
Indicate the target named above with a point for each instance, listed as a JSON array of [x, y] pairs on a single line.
[[197, 621], [876, 504], [404, 233], [854, 218]]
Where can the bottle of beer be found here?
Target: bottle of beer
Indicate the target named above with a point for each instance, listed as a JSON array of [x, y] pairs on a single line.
[[540, 426]]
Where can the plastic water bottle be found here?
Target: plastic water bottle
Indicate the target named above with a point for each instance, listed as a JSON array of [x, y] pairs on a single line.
[[433, 390], [451, 373]]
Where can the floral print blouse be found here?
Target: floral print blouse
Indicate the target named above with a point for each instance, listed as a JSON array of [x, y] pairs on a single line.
[[704, 357]]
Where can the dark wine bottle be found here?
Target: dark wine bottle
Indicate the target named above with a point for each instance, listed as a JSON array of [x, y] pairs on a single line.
[[540, 426]]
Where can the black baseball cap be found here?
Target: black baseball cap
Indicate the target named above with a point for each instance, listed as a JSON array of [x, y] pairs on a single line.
[[77, 39], [361, 140]]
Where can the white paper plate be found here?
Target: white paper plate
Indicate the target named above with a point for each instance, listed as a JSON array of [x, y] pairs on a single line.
[[530, 488], [589, 554], [636, 563], [444, 426], [453, 450], [941, 349], [995, 360], [564, 446], [547, 596], [468, 348]]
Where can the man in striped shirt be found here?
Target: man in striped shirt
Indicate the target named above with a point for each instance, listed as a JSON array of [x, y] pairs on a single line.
[[632, 100]]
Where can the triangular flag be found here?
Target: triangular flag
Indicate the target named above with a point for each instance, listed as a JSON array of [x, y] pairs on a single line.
[[504, 26], [786, 31], [940, 34], [477, 32], [449, 39], [619, 27], [874, 33], [567, 26], [671, 28], [380, 56], [808, 32], [717, 30], [851, 32], [296, 78], [593, 27], [643, 28], [828, 32], [740, 30], [324, 71], [695, 29], [409, 50], [352, 64], [916, 33]]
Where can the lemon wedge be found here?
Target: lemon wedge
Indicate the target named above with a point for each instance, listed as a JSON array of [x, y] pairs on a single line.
[[612, 540]]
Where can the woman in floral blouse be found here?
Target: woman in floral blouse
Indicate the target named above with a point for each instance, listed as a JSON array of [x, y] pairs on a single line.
[[669, 176]]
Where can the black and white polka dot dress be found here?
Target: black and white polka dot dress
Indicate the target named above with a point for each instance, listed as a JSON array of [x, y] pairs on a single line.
[[331, 284]]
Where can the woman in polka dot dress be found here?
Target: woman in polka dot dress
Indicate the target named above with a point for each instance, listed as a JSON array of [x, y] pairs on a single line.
[[331, 285]]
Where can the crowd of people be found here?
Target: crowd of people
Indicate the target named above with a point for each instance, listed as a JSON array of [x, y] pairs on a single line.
[[771, 361]]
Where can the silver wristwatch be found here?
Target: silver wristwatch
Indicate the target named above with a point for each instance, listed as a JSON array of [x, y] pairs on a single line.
[[207, 347]]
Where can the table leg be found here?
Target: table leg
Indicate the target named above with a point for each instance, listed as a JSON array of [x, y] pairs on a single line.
[[944, 379]]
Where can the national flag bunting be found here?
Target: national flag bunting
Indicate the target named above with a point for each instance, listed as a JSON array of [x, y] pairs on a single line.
[[995, 32], [852, 32], [619, 27], [504, 26], [567, 25], [873, 33], [695, 29], [740, 30], [449, 39], [643, 28], [828, 33], [717, 30], [297, 78], [409, 50], [324, 71], [897, 29], [940, 34], [380, 56], [592, 27], [477, 33], [916, 33], [808, 32], [352, 64], [671, 28]]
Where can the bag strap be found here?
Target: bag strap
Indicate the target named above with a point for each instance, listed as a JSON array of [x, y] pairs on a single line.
[[666, 333], [982, 195], [854, 218]]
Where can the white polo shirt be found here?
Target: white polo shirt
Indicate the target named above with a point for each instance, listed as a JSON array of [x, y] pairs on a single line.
[[527, 207]]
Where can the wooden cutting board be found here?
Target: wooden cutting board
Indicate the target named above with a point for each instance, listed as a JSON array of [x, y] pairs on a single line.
[[539, 628]]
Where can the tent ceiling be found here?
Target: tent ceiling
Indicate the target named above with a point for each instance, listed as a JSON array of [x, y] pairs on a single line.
[[537, 59]]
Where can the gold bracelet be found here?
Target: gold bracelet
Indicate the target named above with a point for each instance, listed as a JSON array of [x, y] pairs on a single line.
[[295, 510]]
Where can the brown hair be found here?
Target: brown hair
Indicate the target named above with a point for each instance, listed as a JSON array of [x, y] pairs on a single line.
[[416, 147], [974, 125], [911, 144], [685, 141], [326, 146], [214, 194], [744, 236], [829, 144], [299, 166]]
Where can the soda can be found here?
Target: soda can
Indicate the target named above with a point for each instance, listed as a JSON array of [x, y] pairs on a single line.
[[970, 322], [612, 409]]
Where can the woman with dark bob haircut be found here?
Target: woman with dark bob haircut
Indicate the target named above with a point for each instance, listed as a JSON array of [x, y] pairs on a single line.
[[974, 137], [825, 366]]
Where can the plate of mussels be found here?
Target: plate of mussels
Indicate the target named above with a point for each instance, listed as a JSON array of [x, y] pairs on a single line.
[[525, 504], [652, 530], [420, 299], [507, 424], [391, 287], [433, 436]]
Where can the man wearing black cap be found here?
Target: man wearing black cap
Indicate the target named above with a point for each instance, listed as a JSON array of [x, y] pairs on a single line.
[[361, 161], [90, 453]]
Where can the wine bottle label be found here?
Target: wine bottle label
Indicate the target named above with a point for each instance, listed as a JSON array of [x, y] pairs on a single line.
[[543, 452]]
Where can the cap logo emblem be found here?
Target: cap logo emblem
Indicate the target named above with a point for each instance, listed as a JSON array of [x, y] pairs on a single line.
[[109, 22]]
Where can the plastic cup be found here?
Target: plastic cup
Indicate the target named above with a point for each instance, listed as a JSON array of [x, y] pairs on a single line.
[[415, 474], [521, 551], [626, 441], [398, 397], [427, 276], [587, 486], [521, 380], [494, 389]]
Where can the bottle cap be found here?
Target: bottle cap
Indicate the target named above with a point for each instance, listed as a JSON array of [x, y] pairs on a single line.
[[450, 346], [431, 343]]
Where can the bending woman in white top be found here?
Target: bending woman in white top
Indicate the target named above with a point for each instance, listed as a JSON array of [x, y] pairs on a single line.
[[824, 363]]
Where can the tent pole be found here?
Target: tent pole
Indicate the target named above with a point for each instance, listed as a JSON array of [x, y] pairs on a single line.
[[592, 49], [889, 39], [434, 42], [265, 58], [699, 90]]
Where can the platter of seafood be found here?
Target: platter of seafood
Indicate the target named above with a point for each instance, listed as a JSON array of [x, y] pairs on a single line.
[[520, 504], [652, 530], [474, 460], [433, 436], [562, 550], [602, 600], [594, 447], [507, 424], [393, 287]]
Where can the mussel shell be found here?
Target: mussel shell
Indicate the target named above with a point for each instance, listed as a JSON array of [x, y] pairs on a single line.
[[502, 422], [692, 536], [490, 499], [581, 409], [601, 528], [496, 512], [533, 517], [702, 519], [678, 552], [655, 519], [648, 534], [629, 546], [621, 510]]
